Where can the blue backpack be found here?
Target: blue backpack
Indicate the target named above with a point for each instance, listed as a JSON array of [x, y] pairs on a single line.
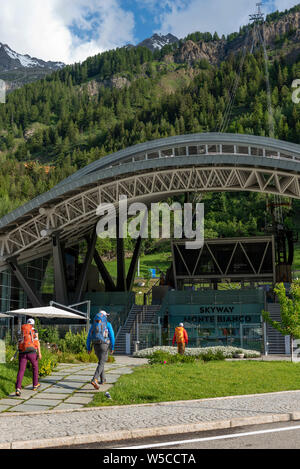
[[99, 331]]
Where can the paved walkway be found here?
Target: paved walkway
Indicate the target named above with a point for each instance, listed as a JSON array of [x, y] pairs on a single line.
[[60, 428], [68, 387], [55, 415]]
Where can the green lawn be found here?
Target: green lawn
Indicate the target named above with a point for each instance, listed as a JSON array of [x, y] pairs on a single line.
[[161, 261], [296, 264], [159, 383], [8, 376]]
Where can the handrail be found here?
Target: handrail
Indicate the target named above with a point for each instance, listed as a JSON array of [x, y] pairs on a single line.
[[119, 330], [146, 295]]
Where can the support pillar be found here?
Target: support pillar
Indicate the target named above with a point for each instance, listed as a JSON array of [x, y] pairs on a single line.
[[60, 282], [136, 254], [82, 281], [133, 264], [108, 281], [121, 278]]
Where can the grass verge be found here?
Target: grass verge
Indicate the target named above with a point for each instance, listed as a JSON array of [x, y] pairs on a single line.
[[8, 376], [188, 381]]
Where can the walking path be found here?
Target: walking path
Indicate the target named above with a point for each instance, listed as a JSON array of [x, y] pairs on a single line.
[[55, 416], [91, 425], [68, 387]]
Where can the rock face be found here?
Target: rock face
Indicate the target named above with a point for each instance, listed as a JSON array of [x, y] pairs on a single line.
[[119, 82], [289, 24], [192, 52], [93, 86], [216, 51]]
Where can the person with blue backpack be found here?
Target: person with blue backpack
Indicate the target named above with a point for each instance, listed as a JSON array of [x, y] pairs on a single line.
[[100, 337]]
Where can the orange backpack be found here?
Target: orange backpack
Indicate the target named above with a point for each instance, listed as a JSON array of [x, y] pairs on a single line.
[[28, 342], [179, 335]]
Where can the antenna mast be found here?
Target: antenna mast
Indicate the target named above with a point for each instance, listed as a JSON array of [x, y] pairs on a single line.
[[259, 16]]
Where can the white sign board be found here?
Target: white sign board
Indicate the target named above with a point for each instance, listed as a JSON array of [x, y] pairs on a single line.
[[2, 351], [2, 92], [296, 351], [128, 344]]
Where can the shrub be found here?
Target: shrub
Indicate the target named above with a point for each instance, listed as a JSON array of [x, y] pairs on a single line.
[[166, 358], [47, 363], [86, 357], [73, 343], [65, 357], [212, 356], [9, 352], [48, 334], [81, 357]]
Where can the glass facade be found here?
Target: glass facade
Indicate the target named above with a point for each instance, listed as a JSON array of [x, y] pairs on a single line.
[[39, 273], [217, 318]]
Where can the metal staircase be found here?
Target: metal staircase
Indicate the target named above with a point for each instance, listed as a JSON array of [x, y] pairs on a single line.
[[276, 341], [138, 315]]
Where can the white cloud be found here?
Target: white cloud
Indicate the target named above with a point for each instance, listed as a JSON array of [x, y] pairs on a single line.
[[71, 30], [47, 29], [282, 5], [223, 16]]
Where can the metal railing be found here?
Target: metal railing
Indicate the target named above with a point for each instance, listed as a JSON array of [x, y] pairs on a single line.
[[148, 295]]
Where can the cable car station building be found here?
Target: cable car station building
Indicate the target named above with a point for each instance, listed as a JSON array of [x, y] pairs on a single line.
[[41, 260]]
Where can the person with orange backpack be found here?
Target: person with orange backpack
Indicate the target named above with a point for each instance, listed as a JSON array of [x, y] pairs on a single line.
[[181, 338], [29, 349]]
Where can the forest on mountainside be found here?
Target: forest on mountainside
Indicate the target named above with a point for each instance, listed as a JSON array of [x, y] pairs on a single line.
[[51, 128]]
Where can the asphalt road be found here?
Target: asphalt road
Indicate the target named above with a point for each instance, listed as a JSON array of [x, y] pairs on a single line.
[[284, 435]]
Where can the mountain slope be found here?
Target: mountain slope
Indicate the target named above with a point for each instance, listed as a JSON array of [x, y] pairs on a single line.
[[131, 95], [17, 69]]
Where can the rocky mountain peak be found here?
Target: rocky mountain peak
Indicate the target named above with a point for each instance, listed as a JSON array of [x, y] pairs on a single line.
[[158, 41], [11, 60]]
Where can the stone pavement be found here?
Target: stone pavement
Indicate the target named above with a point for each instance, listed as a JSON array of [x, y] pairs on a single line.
[[60, 428], [65, 421], [68, 387]]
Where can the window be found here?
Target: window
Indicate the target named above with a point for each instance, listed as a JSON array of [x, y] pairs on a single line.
[[242, 150], [193, 151], [257, 151], [167, 152], [228, 149], [153, 156], [140, 157], [181, 151]]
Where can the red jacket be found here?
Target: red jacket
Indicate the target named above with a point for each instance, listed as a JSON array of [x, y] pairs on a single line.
[[185, 336]]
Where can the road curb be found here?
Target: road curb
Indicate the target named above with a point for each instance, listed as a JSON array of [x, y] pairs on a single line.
[[150, 432]]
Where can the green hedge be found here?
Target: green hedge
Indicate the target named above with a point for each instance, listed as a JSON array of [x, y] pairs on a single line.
[[166, 358]]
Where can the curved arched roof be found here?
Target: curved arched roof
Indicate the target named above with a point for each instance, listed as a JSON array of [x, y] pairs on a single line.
[[179, 151]]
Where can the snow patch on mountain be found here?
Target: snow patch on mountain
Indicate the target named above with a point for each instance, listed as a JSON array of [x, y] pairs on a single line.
[[24, 60], [7, 55], [158, 41]]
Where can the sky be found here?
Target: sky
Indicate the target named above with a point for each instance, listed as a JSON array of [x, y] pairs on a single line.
[[71, 30]]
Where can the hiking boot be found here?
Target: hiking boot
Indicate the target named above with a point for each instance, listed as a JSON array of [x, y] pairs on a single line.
[[103, 382], [94, 383], [35, 388], [18, 392]]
